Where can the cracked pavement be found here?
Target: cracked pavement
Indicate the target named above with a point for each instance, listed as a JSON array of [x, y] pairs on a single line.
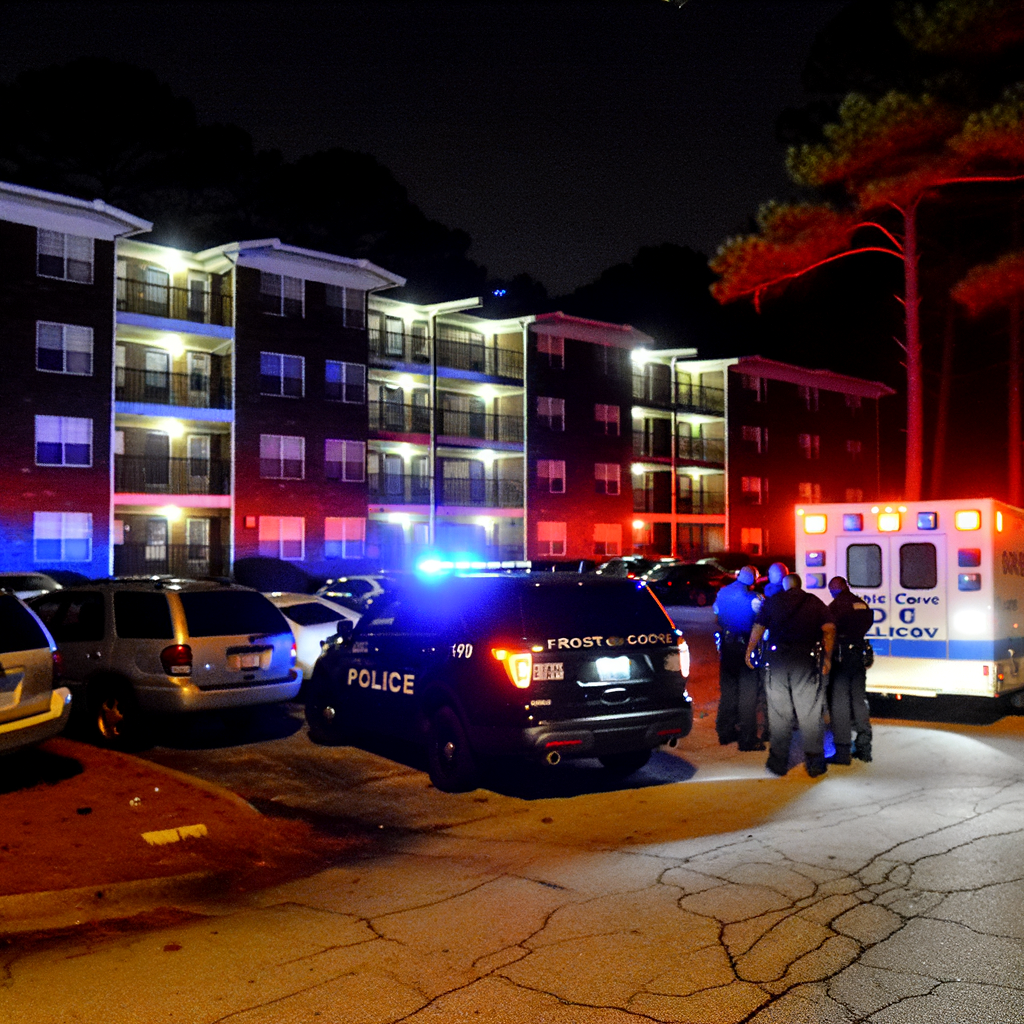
[[887, 893]]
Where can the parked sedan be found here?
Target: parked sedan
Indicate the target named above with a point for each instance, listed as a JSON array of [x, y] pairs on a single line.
[[27, 584], [313, 619], [686, 582], [354, 592]]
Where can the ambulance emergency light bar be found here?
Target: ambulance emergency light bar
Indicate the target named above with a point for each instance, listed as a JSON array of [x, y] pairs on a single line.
[[889, 520], [433, 565]]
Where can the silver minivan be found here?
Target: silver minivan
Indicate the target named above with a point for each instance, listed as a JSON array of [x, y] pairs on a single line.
[[32, 706], [135, 647]]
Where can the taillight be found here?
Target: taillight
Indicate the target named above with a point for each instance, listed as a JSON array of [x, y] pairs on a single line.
[[58, 667], [518, 666], [177, 660]]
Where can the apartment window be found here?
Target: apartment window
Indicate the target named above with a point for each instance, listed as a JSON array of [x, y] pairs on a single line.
[[345, 460], [62, 536], [282, 375], [607, 539], [283, 537], [607, 419], [344, 537], [607, 359], [753, 489], [63, 348], [345, 382], [810, 445], [606, 477], [809, 492], [553, 349], [551, 475], [550, 539], [282, 457], [752, 539], [63, 441], [853, 402], [66, 257], [854, 494], [282, 296], [756, 384], [809, 396], [551, 412], [351, 302], [854, 449], [758, 437]]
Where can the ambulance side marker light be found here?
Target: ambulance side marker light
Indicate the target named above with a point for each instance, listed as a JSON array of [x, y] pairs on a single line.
[[927, 520], [888, 521], [967, 519], [814, 559], [853, 522], [815, 524], [968, 558], [815, 580], [968, 581], [999, 522]]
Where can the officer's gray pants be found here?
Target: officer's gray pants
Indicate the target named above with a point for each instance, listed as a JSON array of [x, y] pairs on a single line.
[[796, 699], [737, 696], [847, 700]]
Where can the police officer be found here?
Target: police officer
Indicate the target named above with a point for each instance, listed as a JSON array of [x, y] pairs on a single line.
[[736, 606], [777, 572], [846, 686], [796, 623]]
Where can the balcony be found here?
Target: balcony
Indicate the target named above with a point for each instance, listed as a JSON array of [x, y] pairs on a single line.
[[701, 449], [652, 388], [398, 347], [398, 488], [144, 474], [160, 387], [495, 362], [481, 493], [694, 398], [652, 446], [176, 559], [700, 504], [398, 418], [164, 300]]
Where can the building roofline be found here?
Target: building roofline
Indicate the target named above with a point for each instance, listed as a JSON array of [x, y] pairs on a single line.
[[771, 369], [135, 225], [387, 278], [597, 331]]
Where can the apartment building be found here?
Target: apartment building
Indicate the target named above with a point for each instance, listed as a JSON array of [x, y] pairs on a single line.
[[174, 411]]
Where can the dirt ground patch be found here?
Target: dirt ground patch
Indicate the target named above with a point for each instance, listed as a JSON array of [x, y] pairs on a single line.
[[72, 815]]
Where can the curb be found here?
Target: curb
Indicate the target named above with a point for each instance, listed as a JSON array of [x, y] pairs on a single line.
[[67, 908]]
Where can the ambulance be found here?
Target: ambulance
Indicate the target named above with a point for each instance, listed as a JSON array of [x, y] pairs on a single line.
[[945, 580]]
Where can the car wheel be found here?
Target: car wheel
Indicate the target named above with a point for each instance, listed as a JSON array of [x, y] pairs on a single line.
[[324, 718], [116, 719], [453, 766], [622, 765]]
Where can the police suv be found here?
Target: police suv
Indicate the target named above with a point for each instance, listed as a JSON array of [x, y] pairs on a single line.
[[483, 666]]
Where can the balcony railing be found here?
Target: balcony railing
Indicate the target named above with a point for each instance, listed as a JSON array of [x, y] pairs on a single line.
[[701, 449], [145, 474], [650, 446], [700, 504], [482, 493], [398, 488], [464, 355], [159, 387], [649, 389], [178, 559], [411, 489], [395, 418], [399, 347], [481, 426], [194, 304], [694, 398]]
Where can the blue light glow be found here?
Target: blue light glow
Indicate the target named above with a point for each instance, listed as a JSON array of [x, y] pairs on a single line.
[[499, 292]]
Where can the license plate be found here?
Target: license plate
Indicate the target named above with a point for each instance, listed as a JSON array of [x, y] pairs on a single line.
[[548, 670], [247, 661], [610, 669]]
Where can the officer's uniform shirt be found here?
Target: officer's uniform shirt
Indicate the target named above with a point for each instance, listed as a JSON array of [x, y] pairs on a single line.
[[853, 618], [794, 617], [736, 607]]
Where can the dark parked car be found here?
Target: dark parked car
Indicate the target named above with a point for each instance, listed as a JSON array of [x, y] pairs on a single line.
[[543, 666], [686, 582], [628, 566]]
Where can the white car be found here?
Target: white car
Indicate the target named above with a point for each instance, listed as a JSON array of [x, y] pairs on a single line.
[[312, 619], [27, 584]]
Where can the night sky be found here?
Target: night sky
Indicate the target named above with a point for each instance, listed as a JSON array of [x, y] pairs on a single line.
[[561, 136]]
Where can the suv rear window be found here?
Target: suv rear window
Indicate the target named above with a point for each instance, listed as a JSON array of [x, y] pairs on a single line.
[[557, 611], [141, 616], [230, 613], [19, 631]]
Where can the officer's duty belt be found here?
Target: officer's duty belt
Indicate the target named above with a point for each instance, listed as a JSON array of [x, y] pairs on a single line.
[[735, 638]]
